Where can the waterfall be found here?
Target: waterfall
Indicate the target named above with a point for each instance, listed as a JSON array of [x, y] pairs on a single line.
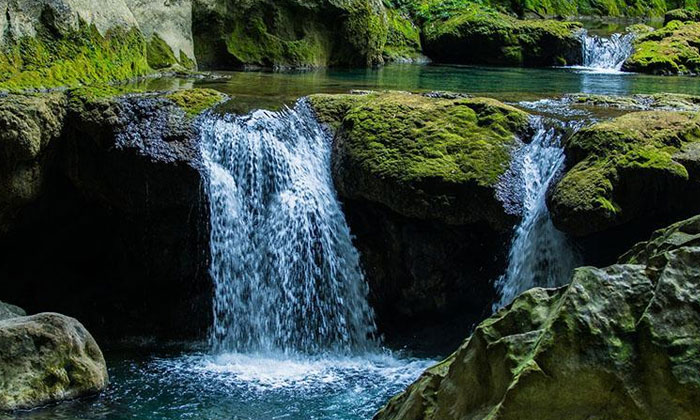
[[600, 53], [287, 278], [540, 255]]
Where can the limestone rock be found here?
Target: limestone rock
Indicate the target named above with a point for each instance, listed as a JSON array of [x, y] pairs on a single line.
[[47, 358]]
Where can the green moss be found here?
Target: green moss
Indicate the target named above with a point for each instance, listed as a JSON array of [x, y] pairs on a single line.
[[79, 58], [481, 35], [622, 166], [187, 62], [160, 55], [195, 101], [670, 50], [403, 38]]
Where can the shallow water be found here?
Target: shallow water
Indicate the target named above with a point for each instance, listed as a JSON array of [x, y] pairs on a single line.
[[233, 386]]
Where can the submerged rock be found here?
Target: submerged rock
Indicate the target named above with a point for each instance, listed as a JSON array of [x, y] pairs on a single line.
[[638, 168], [476, 35], [619, 342], [418, 177], [46, 358]]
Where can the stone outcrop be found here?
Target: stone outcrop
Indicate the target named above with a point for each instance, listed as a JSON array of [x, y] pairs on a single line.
[[122, 199], [418, 178], [670, 50], [619, 342], [46, 358]]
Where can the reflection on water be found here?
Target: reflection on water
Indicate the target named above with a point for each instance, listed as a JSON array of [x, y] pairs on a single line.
[[270, 90]]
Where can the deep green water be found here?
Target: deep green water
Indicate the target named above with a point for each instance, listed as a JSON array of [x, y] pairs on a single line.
[[190, 384]]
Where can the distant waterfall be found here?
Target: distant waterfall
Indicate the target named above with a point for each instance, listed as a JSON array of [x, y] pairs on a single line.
[[606, 53], [540, 255], [287, 277]]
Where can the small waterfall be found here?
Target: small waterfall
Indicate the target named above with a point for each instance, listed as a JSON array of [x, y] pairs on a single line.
[[287, 277], [600, 53], [540, 255]]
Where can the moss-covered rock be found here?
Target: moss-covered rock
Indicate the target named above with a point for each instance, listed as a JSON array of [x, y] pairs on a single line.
[[289, 33], [195, 101], [683, 15], [403, 42], [672, 49], [417, 176], [423, 157], [626, 170], [8, 311], [477, 35], [617, 343], [47, 358]]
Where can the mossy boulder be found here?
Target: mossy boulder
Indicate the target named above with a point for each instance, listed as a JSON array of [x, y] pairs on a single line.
[[403, 42], [673, 49], [477, 35], [683, 15], [418, 177], [628, 170], [47, 358], [617, 343], [423, 157], [289, 33]]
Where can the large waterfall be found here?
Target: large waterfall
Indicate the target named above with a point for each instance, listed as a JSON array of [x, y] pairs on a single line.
[[540, 255], [606, 54], [287, 277]]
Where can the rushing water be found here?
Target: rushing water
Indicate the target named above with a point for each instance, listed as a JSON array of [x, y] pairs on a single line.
[[287, 277], [606, 54], [540, 255]]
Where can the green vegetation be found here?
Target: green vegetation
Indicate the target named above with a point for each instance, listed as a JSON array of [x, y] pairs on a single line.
[[160, 55], [403, 39], [622, 169], [77, 58]]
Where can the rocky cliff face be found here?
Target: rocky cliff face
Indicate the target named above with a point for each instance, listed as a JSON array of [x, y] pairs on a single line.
[[618, 342]]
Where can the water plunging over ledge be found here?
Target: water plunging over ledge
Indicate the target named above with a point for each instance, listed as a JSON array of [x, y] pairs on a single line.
[[287, 277], [540, 255], [605, 54]]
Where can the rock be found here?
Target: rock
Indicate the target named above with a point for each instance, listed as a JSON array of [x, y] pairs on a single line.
[[670, 50], [8, 311], [403, 42], [639, 102], [417, 176], [289, 34], [475, 35], [617, 343], [683, 15], [29, 124], [633, 169], [47, 358], [124, 200]]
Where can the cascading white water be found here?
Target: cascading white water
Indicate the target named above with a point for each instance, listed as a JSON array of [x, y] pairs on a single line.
[[609, 54], [540, 255], [287, 277]]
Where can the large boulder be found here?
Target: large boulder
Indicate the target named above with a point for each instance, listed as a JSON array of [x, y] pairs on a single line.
[[8, 311], [289, 33], [617, 343], [640, 168], [475, 35], [47, 358], [51, 43], [418, 177], [672, 49], [123, 200]]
